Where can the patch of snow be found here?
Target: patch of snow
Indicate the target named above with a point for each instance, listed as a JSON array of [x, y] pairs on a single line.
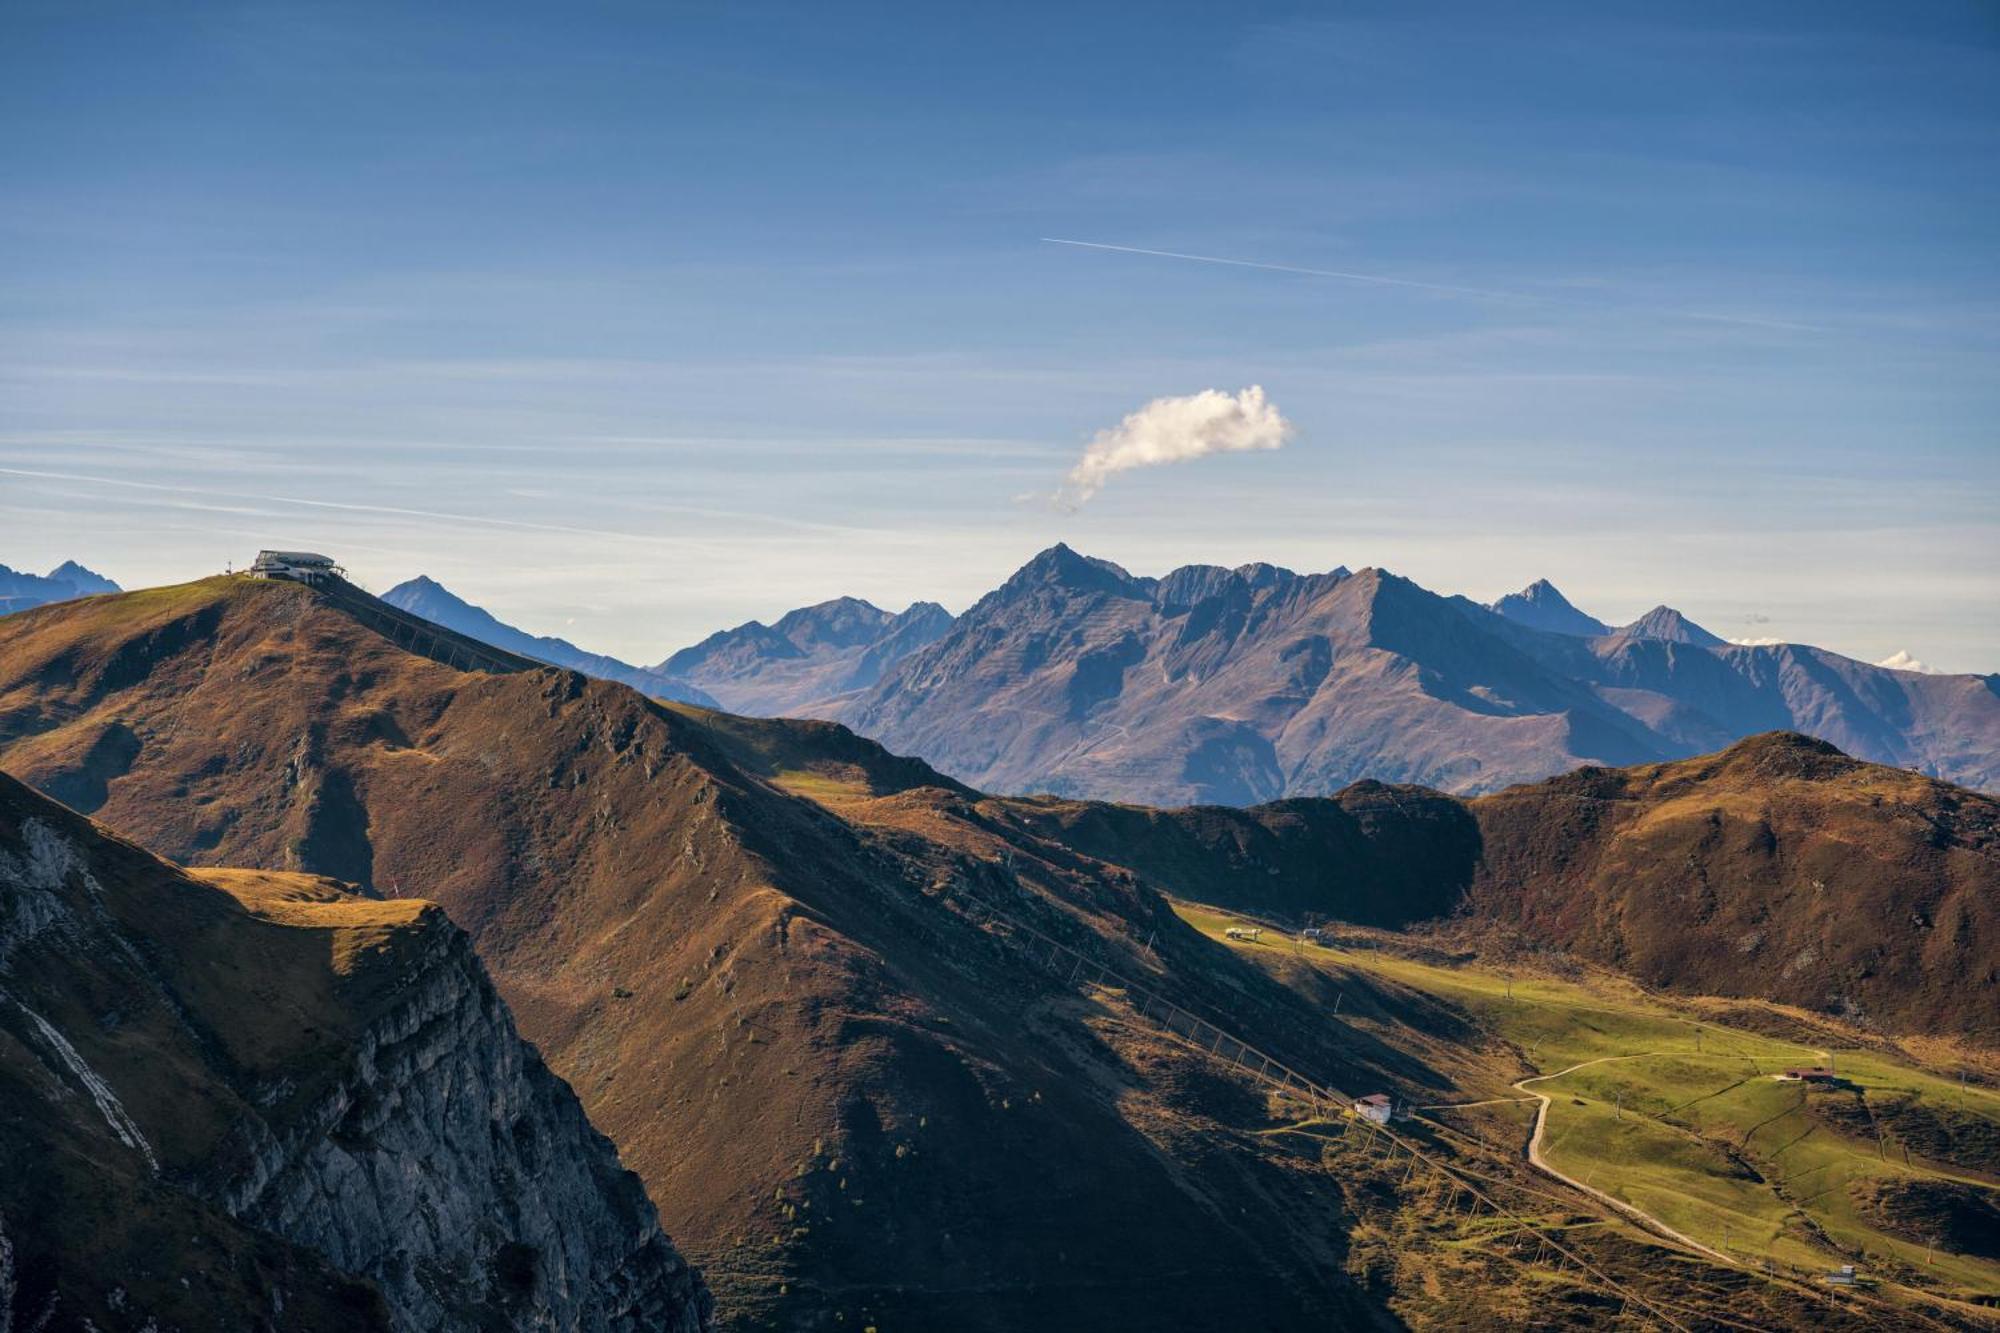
[[108, 1105]]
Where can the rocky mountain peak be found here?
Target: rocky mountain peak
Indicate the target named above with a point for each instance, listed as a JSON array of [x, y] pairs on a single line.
[[1663, 622], [841, 622], [87, 582], [1061, 567], [1542, 606]]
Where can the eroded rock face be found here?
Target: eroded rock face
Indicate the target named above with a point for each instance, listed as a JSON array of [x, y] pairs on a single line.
[[255, 1100], [450, 1166]]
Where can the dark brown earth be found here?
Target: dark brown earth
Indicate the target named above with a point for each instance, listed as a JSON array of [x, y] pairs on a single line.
[[1371, 854]]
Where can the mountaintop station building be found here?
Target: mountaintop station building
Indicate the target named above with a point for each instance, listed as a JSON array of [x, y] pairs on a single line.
[[297, 566]]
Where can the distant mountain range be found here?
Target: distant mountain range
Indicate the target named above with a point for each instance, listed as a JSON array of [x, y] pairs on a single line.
[[20, 590], [1234, 686], [810, 660], [433, 601]]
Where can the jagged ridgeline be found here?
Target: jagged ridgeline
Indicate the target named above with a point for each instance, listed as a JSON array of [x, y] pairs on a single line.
[[243, 1099], [1234, 686]]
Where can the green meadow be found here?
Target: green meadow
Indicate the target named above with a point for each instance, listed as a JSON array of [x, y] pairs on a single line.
[[1680, 1117]]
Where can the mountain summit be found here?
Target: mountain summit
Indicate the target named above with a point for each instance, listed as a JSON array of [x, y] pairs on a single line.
[[1666, 624], [809, 658], [1540, 606]]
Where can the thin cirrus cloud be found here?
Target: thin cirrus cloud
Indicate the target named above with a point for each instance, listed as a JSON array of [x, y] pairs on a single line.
[[1439, 288], [1176, 430]]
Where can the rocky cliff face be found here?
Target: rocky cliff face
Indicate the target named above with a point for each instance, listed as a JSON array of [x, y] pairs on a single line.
[[302, 1107], [519, 1204]]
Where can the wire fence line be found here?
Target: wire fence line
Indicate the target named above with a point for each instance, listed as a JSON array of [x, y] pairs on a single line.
[[424, 637], [1079, 969]]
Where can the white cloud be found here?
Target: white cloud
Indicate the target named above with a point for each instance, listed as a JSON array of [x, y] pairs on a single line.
[[1900, 660], [1173, 430], [1758, 643]]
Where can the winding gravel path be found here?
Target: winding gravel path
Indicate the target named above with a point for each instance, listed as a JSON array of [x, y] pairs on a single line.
[[1541, 1163]]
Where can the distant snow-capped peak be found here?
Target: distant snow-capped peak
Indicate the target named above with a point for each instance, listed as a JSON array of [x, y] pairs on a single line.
[[1900, 660]]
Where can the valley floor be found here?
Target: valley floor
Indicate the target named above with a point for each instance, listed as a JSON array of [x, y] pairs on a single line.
[[1671, 1111]]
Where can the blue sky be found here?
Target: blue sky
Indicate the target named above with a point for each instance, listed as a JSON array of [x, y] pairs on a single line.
[[632, 321]]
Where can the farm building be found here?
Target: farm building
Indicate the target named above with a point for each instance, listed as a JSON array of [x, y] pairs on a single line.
[[297, 566], [1375, 1106], [1810, 1074]]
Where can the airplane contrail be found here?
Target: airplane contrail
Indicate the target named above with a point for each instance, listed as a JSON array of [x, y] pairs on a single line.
[[390, 510], [486, 520], [1377, 279], [1293, 268]]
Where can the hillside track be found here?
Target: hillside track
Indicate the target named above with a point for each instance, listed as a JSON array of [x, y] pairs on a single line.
[[1540, 1162]]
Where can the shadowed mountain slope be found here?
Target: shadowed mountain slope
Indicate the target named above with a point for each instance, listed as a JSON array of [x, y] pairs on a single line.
[[434, 602], [792, 1022], [248, 1099], [1779, 868], [1372, 854]]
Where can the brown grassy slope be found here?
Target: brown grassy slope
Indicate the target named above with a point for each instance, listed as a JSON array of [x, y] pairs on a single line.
[[847, 1099], [1777, 868]]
